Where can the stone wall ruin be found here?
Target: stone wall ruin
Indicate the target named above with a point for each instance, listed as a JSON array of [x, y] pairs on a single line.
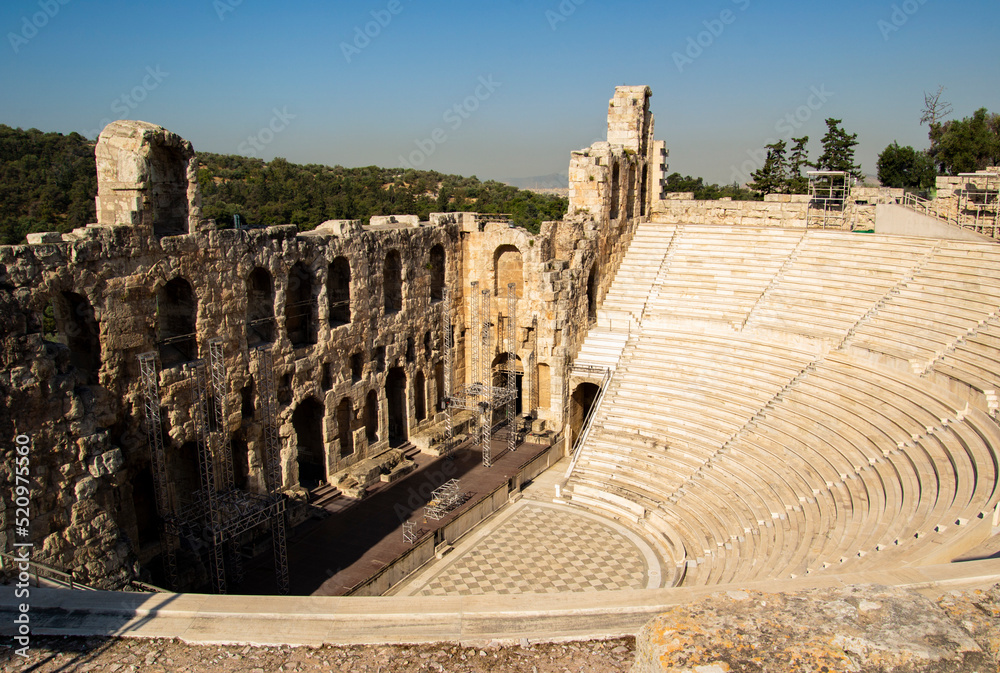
[[352, 311]]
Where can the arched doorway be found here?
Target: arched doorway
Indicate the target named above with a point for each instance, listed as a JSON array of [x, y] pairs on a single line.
[[184, 472], [500, 380], [580, 403], [395, 393], [307, 419]]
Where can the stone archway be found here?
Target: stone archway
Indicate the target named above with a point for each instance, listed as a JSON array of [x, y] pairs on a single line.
[[307, 419], [395, 393], [581, 401], [176, 314]]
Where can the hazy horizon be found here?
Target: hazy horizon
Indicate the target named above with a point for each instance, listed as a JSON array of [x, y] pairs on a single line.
[[499, 91]]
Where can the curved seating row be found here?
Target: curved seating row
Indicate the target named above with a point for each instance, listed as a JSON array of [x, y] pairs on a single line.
[[759, 459]]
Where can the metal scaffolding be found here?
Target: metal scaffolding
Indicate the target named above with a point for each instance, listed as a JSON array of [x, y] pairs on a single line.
[[481, 396], [979, 203], [830, 205], [444, 498], [511, 368], [218, 513], [446, 326], [533, 367], [150, 381]]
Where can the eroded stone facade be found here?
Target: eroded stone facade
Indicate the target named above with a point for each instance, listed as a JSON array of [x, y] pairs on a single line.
[[354, 314]]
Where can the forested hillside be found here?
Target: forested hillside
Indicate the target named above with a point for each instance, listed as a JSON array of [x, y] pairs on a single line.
[[48, 183]]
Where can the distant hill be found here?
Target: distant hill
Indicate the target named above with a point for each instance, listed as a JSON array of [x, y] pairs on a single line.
[[550, 181], [48, 182]]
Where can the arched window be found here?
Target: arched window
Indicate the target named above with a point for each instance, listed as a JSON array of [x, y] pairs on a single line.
[[592, 293], [345, 415], [69, 320], [437, 269], [300, 307], [419, 397], [642, 191], [338, 291], [371, 416], [168, 191], [630, 198], [508, 268], [393, 282], [176, 315], [260, 307], [615, 191]]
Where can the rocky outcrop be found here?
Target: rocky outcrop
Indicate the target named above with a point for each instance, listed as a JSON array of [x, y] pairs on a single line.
[[854, 628]]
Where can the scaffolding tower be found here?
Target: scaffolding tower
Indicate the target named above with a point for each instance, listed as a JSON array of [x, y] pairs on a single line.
[[481, 396], [979, 202], [830, 203], [218, 513]]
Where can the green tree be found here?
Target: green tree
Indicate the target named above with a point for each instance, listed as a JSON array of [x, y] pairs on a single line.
[[906, 168], [970, 144], [838, 150], [772, 177], [797, 161]]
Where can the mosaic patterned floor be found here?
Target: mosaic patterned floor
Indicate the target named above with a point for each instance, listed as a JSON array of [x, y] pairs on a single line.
[[542, 548]]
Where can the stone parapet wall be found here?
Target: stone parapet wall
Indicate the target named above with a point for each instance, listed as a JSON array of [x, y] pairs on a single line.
[[771, 213]]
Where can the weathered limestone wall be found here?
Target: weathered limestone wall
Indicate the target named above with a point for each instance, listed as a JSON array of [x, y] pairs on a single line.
[[354, 314], [777, 210], [89, 446], [948, 201]]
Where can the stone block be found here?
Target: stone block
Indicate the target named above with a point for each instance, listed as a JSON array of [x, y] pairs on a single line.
[[45, 238], [85, 488]]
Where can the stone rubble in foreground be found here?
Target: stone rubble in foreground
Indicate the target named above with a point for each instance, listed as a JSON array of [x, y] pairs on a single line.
[[126, 655]]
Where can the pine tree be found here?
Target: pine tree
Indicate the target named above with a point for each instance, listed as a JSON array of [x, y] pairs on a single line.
[[799, 159], [772, 177], [838, 150]]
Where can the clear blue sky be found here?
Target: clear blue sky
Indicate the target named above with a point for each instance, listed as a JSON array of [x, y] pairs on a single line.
[[217, 71]]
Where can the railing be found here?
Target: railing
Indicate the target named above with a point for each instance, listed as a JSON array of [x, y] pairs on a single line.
[[926, 207], [10, 564], [587, 422], [39, 571]]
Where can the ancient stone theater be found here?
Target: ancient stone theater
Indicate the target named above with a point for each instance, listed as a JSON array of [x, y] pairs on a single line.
[[653, 393]]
